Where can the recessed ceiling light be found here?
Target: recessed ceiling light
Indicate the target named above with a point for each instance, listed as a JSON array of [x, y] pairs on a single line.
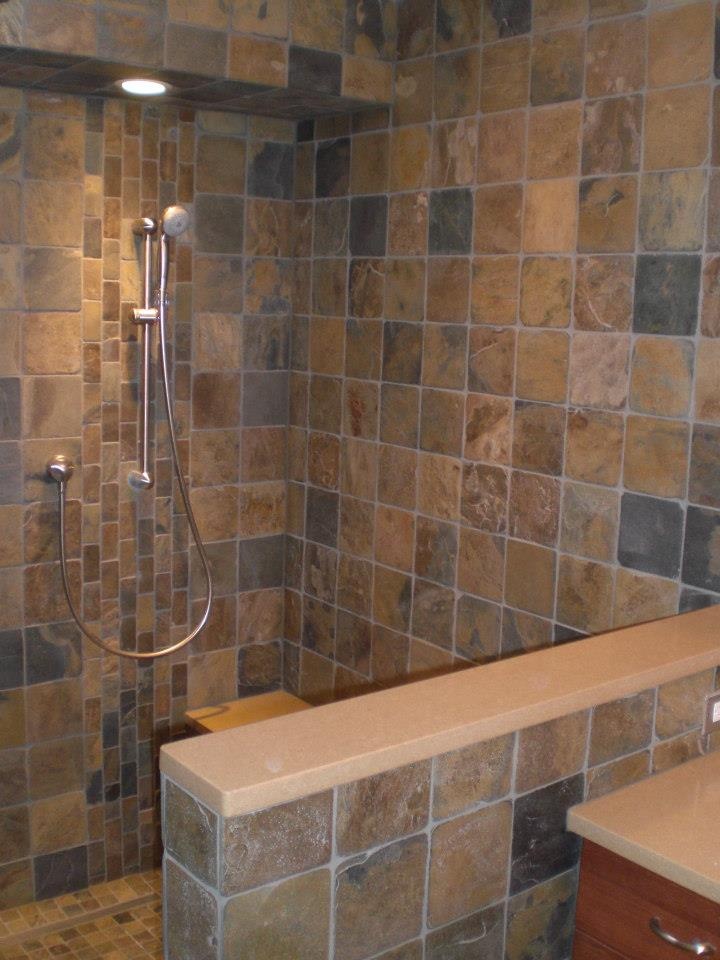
[[144, 88]]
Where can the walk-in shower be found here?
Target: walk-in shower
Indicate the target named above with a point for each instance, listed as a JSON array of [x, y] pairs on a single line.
[[151, 315]]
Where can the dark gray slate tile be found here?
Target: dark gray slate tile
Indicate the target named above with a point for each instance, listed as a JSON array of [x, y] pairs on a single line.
[[402, 352], [265, 399], [477, 937], [667, 288], [260, 563], [330, 229], [451, 216], [191, 917], [59, 873], [691, 599], [332, 168], [191, 833], [315, 70], [542, 847], [321, 520], [11, 477], [650, 534], [368, 226], [219, 224], [271, 172], [53, 652], [512, 17], [701, 560], [11, 659], [705, 466], [9, 408], [416, 19]]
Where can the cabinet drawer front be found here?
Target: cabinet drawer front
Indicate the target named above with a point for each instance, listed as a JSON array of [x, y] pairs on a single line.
[[618, 900], [585, 948]]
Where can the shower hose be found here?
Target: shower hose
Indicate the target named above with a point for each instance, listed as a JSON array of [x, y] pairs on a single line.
[[60, 471]]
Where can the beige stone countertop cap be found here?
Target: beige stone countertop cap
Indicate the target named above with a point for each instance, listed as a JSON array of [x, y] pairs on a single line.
[[285, 758], [668, 824]]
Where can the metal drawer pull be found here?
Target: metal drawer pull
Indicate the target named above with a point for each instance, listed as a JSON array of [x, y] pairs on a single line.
[[696, 947]]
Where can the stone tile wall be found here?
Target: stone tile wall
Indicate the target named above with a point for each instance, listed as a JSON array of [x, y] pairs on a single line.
[[504, 415], [286, 57], [463, 855], [79, 732]]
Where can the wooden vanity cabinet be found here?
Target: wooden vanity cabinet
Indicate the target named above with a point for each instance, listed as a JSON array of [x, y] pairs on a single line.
[[618, 903]]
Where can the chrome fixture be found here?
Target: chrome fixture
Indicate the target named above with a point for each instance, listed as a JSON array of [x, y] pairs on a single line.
[[174, 221], [698, 948]]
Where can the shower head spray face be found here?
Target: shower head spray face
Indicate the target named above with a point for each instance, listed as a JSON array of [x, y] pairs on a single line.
[[175, 220]]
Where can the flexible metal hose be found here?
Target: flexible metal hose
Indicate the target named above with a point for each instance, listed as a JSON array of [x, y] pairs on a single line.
[[62, 491]]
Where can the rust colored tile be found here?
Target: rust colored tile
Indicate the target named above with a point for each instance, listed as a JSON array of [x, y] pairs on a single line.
[[477, 774], [584, 594], [530, 577], [608, 215], [590, 517], [542, 365], [662, 371], [676, 127], [656, 456], [501, 147], [484, 497], [546, 291], [554, 141], [557, 66], [488, 428], [680, 44], [379, 902], [551, 215], [439, 480], [551, 751], [594, 446], [382, 808], [599, 370], [491, 360], [534, 508], [615, 60], [604, 293], [639, 598], [494, 290], [407, 224], [612, 132], [410, 151], [505, 75], [481, 562], [448, 289], [538, 437], [469, 863], [498, 216], [621, 727]]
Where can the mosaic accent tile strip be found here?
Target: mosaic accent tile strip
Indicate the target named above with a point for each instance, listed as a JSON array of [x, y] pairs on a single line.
[[120, 919]]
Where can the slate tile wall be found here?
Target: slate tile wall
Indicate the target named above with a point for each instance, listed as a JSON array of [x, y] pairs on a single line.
[[503, 399], [80, 731], [461, 855]]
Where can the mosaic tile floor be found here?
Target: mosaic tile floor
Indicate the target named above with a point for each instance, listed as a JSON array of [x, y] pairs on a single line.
[[120, 920]]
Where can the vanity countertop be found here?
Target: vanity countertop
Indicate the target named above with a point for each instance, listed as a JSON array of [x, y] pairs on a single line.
[[669, 824]]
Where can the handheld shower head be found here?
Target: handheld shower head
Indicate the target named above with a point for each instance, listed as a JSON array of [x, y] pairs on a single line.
[[175, 220]]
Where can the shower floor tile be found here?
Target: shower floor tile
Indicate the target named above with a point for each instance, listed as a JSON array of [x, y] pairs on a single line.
[[119, 920]]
